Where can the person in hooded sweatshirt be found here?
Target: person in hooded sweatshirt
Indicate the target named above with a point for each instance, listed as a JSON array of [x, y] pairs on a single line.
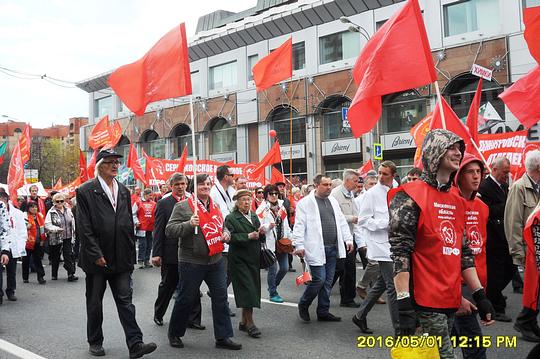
[[430, 255], [466, 184]]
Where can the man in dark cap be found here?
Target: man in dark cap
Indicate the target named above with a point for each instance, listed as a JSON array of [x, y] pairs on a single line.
[[107, 254]]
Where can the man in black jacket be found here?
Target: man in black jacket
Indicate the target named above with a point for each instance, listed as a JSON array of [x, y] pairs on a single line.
[[500, 269], [165, 253], [107, 254]]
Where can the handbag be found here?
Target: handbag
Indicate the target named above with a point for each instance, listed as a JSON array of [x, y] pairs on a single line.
[[284, 245], [267, 257]]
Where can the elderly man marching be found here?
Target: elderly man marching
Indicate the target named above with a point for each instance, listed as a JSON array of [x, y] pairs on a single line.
[[318, 236]]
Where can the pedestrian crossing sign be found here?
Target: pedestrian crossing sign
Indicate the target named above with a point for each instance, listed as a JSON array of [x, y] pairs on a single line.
[[377, 151]]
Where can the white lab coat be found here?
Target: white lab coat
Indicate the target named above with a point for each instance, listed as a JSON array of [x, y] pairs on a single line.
[[17, 232], [373, 218], [267, 219], [307, 232]]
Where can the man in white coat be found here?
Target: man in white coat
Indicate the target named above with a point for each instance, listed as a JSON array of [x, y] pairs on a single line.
[[319, 232], [373, 219]]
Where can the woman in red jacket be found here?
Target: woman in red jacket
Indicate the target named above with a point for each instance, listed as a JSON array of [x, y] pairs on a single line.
[[34, 243]]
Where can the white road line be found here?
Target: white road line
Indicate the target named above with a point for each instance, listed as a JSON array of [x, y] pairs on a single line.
[[287, 304], [18, 351]]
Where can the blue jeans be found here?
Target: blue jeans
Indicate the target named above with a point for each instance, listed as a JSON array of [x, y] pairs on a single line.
[[274, 278], [145, 246], [191, 277], [321, 283], [468, 326]]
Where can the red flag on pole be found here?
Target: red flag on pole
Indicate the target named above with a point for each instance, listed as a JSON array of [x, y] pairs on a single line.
[[92, 165], [531, 18], [273, 68], [162, 73], [25, 143], [133, 163], [100, 135], [15, 177], [277, 176], [452, 121], [396, 58], [273, 156], [365, 168], [522, 98], [115, 132], [418, 133], [58, 184], [183, 160], [83, 172], [472, 117]]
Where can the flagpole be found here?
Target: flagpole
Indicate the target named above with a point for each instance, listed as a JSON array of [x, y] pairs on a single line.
[[441, 110], [194, 157]]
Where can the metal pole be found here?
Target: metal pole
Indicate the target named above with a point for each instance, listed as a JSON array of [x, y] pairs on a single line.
[[194, 156]]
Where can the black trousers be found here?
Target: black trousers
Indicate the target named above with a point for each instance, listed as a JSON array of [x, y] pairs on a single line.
[[346, 274], [34, 256], [167, 286], [500, 271], [65, 248], [11, 276], [122, 292]]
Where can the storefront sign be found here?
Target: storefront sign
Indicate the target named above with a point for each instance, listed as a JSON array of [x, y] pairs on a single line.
[[482, 72], [298, 151], [341, 147], [397, 141], [224, 157]]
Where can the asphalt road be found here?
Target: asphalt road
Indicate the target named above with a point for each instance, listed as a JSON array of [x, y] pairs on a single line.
[[50, 321]]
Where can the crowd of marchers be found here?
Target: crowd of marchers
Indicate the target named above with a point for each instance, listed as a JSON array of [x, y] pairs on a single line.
[[438, 246]]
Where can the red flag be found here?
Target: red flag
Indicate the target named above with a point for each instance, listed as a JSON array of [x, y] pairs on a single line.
[[92, 165], [273, 156], [531, 18], [133, 163], [277, 176], [365, 168], [25, 143], [472, 117], [452, 121], [15, 177], [100, 135], [389, 63], [273, 68], [418, 133], [522, 98], [183, 160], [58, 184], [155, 170], [83, 173], [162, 73], [115, 132], [69, 190]]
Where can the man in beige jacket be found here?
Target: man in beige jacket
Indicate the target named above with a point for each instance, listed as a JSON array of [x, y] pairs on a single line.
[[522, 199]]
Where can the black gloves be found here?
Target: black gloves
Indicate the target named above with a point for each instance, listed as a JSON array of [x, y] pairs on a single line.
[[407, 317], [483, 304]]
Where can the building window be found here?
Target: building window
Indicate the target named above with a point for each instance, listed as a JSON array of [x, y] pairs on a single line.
[[195, 83], [340, 46], [335, 169], [122, 147], [152, 144], [471, 15], [299, 55], [222, 137], [223, 76], [402, 111], [252, 60], [102, 107], [333, 125], [181, 136], [531, 3], [379, 24], [281, 120]]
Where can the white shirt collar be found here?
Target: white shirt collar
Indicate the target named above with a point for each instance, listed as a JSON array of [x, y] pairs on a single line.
[[113, 197]]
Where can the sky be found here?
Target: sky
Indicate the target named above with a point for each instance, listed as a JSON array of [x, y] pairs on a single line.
[[73, 40]]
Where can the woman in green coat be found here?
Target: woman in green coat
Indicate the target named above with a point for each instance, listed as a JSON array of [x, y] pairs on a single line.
[[244, 254]]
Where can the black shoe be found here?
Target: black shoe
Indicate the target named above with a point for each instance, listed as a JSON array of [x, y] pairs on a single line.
[[96, 350], [518, 290], [501, 317], [158, 321], [41, 280], [72, 278], [176, 342], [242, 327], [352, 304], [328, 318], [303, 312], [141, 349], [362, 324], [527, 333], [11, 297], [196, 326], [227, 343]]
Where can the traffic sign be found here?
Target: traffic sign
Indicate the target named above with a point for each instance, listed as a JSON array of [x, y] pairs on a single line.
[[377, 151]]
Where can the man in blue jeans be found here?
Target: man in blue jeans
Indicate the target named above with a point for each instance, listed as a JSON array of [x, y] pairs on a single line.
[[319, 230]]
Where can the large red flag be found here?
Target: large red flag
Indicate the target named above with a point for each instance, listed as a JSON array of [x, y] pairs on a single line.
[[115, 132], [531, 18], [472, 117], [522, 98], [183, 160], [275, 67], [100, 135], [162, 73], [133, 163], [365, 168], [396, 58], [25, 143], [15, 177], [277, 176], [273, 156], [92, 165], [83, 172]]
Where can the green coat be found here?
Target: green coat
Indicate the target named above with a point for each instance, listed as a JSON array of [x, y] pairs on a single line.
[[244, 257]]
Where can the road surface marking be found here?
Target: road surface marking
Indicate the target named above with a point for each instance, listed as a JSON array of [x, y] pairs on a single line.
[[17, 351]]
